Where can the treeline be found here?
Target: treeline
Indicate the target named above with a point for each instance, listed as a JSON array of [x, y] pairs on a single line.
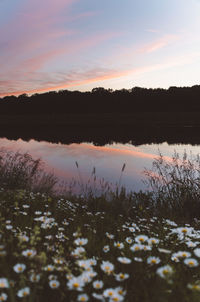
[[101, 100]]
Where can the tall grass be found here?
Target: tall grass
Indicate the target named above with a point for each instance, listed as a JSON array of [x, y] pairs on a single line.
[[175, 183], [21, 171]]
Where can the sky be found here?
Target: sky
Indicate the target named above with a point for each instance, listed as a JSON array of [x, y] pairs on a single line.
[[81, 44]]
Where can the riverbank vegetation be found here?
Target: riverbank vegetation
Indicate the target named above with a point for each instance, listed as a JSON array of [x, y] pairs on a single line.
[[116, 246]]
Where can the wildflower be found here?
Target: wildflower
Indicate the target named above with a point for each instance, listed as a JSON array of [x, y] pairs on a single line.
[[78, 251], [34, 277], [184, 254], [137, 247], [23, 292], [124, 260], [120, 291], [76, 283], [54, 284], [110, 236], [69, 276], [109, 292], [195, 287], [182, 231], [141, 238], [84, 264], [191, 262], [19, 268], [107, 267], [24, 238], [81, 241], [9, 227], [175, 257], [3, 297], [131, 229], [83, 297], [197, 252], [169, 222], [92, 274], [49, 268], [92, 261], [116, 297], [52, 277], [165, 271], [191, 243], [29, 253], [147, 247], [121, 277], [58, 261], [4, 283], [98, 284], [86, 277], [106, 248], [153, 260], [119, 245], [129, 240], [153, 241]]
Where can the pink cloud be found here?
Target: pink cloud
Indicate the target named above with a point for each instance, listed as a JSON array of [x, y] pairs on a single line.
[[160, 43], [38, 38], [75, 79]]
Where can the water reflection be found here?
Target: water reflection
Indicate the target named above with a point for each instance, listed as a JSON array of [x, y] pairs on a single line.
[[108, 160]]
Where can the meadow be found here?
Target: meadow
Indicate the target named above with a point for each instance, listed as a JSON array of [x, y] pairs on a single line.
[[132, 247]]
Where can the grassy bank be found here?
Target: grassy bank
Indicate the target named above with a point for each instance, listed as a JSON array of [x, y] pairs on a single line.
[[58, 250], [134, 247]]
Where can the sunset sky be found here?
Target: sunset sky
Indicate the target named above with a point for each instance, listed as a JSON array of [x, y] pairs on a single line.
[[82, 44]]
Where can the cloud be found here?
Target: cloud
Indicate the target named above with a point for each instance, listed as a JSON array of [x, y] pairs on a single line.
[[35, 38], [74, 79]]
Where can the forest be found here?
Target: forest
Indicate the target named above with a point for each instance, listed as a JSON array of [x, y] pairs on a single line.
[[101, 100]]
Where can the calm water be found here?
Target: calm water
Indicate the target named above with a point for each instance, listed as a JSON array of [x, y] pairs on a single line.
[[107, 160]]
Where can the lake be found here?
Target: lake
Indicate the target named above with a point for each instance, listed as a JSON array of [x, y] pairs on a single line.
[[107, 160]]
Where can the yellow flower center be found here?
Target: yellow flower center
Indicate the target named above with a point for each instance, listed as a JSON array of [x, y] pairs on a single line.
[[121, 276], [196, 287], [165, 271], [184, 230], [141, 239], [83, 299], [75, 285], [137, 248], [110, 294], [25, 294], [153, 261], [191, 263]]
